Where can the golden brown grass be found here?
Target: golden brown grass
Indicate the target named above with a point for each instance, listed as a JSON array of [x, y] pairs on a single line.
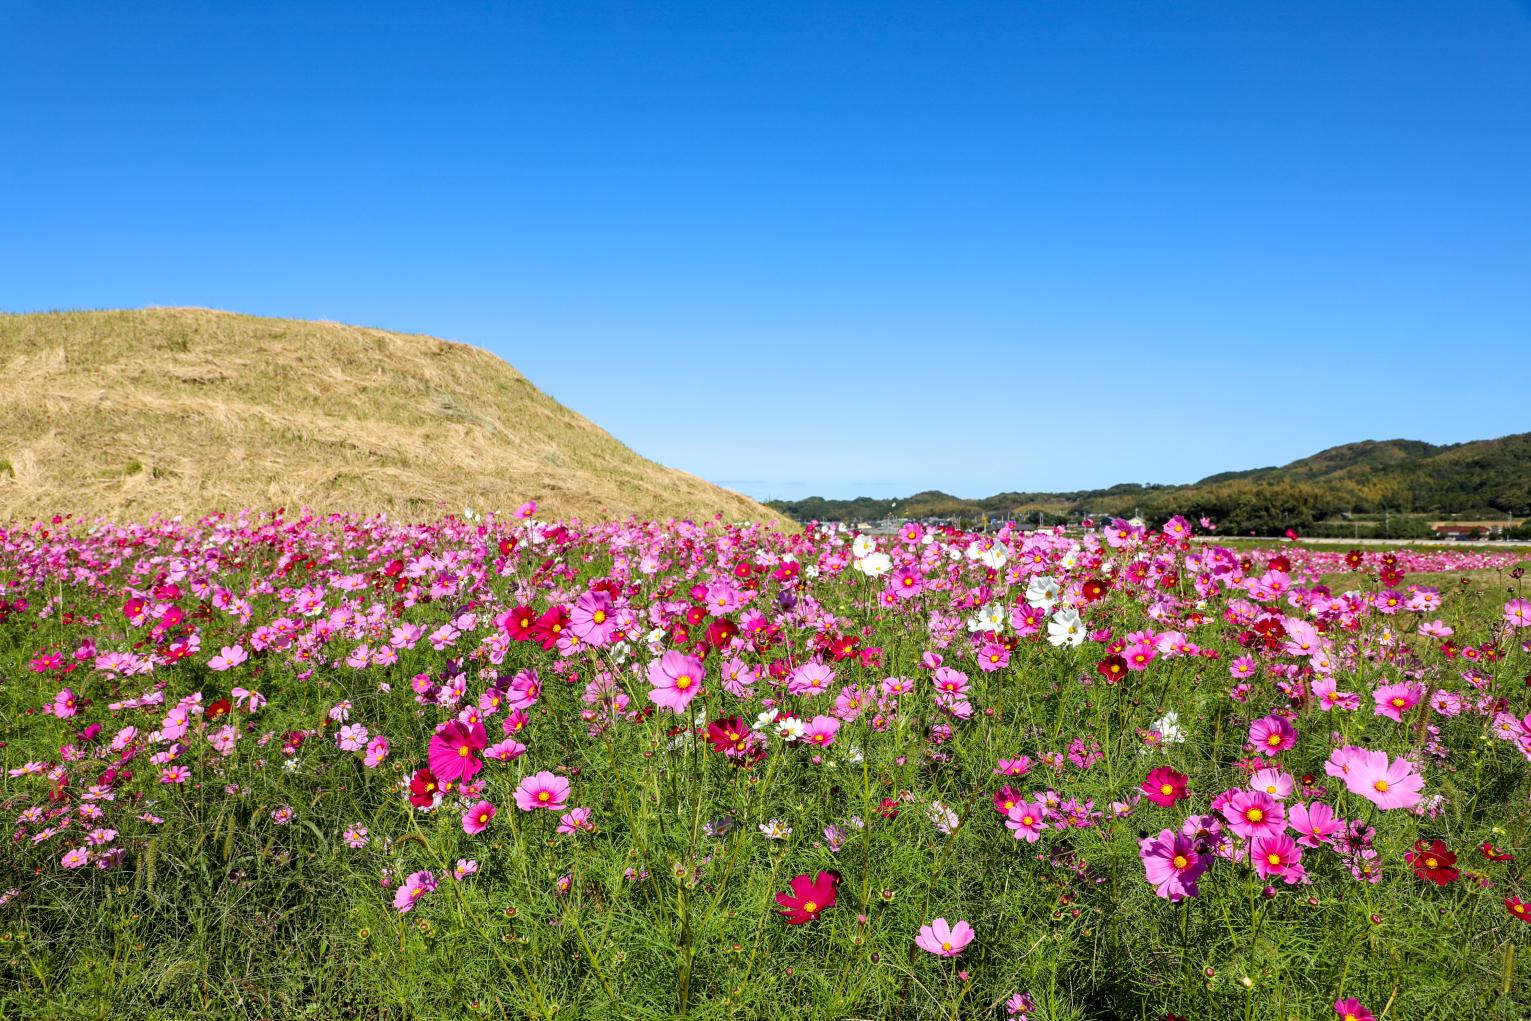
[[187, 411]]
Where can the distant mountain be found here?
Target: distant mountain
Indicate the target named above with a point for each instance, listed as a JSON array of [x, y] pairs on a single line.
[[1333, 489], [185, 411]]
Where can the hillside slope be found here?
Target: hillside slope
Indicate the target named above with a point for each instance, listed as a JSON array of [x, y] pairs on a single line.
[[186, 411]]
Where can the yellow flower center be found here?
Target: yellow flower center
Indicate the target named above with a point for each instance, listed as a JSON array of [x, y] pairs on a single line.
[[1431, 863], [1254, 815], [946, 946], [1274, 859], [1181, 861], [543, 795], [1381, 786], [810, 906], [1167, 789], [683, 682], [599, 616]]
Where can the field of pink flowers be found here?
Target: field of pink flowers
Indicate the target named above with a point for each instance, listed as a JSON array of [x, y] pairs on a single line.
[[285, 767]]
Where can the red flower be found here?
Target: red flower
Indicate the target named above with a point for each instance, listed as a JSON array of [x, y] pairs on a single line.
[[1492, 853], [807, 899], [422, 787], [1112, 668], [888, 808], [1164, 786], [728, 734], [217, 709], [1519, 908], [522, 622], [1093, 590], [550, 625], [1433, 862]]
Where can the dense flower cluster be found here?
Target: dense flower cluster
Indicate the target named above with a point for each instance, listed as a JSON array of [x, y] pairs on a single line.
[[1036, 700]]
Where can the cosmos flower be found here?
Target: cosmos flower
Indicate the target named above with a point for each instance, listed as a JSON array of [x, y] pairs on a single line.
[[944, 940], [542, 790], [808, 897]]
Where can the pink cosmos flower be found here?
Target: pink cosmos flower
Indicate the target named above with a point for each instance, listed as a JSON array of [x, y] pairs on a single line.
[[1026, 821], [412, 889], [451, 752], [1325, 690], [593, 618], [506, 750], [1386, 784], [1272, 735], [476, 819], [1393, 700], [810, 679], [1315, 823], [542, 790], [576, 820], [64, 703], [1273, 782], [1275, 855], [1172, 864], [675, 678], [820, 731], [230, 657], [1517, 612], [944, 940]]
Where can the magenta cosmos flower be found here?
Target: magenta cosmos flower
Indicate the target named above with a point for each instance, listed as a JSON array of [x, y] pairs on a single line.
[[1517, 612], [821, 730], [675, 679], [452, 753], [593, 618], [1254, 814], [1271, 735], [476, 818], [1164, 786], [1172, 864], [944, 940], [542, 790]]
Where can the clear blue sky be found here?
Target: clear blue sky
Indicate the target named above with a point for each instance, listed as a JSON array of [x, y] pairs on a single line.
[[827, 248]]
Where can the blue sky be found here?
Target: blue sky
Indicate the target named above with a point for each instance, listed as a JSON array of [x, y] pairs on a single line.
[[827, 248]]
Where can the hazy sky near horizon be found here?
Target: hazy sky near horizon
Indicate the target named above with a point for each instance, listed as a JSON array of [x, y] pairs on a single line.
[[827, 248]]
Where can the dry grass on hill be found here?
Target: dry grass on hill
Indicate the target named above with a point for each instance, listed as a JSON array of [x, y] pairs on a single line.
[[186, 411]]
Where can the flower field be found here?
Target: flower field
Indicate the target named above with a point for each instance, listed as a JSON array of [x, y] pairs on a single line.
[[283, 767]]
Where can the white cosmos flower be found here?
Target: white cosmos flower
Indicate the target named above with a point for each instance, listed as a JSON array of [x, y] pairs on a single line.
[[765, 719], [1168, 727], [994, 558], [789, 729], [875, 565], [1070, 558], [1042, 591], [863, 545], [1066, 628], [990, 618]]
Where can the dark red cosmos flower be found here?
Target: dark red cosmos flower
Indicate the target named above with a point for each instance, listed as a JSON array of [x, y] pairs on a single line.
[[1164, 786], [1093, 589], [422, 787], [807, 898], [729, 734], [720, 632], [1112, 668], [1433, 862], [1519, 908], [217, 709], [1492, 853], [394, 568], [888, 808]]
